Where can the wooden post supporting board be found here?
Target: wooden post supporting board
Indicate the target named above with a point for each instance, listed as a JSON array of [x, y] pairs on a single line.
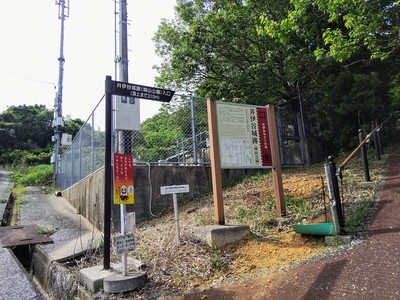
[[219, 218], [276, 170]]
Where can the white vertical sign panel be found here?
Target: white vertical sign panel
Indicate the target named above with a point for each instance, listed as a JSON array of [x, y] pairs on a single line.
[[127, 116]]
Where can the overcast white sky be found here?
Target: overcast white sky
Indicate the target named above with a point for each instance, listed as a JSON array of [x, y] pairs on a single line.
[[30, 47]]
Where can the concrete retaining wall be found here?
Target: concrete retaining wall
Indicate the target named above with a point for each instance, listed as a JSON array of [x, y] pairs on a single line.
[[87, 195]]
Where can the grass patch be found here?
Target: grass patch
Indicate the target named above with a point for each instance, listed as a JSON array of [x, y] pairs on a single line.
[[45, 230], [3, 200], [18, 191], [32, 175], [247, 178], [256, 178], [355, 218], [18, 203], [218, 261], [300, 209], [259, 218], [203, 220]]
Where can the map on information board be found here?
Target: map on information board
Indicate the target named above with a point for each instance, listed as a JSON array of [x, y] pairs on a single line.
[[243, 136]]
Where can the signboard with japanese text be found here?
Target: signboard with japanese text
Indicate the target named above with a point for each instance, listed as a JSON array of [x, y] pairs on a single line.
[[174, 189], [124, 243], [123, 179], [141, 91], [243, 135], [127, 104]]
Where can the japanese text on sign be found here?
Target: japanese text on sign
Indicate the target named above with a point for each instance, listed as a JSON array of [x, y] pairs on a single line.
[[243, 136], [124, 243], [123, 179], [144, 92], [174, 189]]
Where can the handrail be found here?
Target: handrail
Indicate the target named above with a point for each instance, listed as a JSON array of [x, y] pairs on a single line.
[[346, 161]]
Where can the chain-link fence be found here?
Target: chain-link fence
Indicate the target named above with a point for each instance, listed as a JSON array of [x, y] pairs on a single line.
[[86, 153], [176, 134], [291, 135]]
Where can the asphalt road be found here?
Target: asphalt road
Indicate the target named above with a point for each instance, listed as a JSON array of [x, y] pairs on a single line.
[[5, 190]]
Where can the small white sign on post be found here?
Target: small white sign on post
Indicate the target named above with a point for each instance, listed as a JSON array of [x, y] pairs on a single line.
[[124, 243], [130, 222], [175, 189]]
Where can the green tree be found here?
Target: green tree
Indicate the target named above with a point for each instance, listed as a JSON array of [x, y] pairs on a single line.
[[213, 49], [29, 127], [72, 126], [352, 26], [281, 52], [25, 134], [158, 135]]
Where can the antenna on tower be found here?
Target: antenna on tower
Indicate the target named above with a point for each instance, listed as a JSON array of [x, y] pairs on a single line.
[[58, 123]]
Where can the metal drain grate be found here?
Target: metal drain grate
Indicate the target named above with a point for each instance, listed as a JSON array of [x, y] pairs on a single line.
[[11, 236]]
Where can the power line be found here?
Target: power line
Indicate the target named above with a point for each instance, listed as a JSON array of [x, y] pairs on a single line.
[[28, 78]]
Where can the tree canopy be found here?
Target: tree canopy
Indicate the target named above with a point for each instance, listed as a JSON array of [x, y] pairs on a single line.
[[338, 59], [351, 26], [25, 134]]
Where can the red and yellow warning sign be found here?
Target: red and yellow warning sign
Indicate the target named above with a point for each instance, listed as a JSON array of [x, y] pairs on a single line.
[[123, 179]]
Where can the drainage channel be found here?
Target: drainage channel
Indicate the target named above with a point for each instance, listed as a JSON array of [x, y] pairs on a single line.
[[22, 239]]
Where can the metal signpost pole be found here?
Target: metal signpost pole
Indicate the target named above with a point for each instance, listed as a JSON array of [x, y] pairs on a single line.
[[127, 90], [174, 190], [175, 199], [108, 174]]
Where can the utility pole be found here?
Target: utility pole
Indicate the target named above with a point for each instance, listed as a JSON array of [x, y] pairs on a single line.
[[58, 123], [124, 136]]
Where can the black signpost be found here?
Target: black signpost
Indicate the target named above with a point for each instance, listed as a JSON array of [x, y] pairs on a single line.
[[129, 90]]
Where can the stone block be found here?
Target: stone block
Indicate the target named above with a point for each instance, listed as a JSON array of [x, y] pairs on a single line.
[[221, 235], [119, 283]]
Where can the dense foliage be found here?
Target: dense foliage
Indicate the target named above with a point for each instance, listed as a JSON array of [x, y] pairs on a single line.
[[338, 59], [25, 134]]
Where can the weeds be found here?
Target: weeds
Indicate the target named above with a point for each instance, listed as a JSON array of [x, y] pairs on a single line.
[[203, 220], [45, 230], [18, 203], [301, 209], [32, 175], [357, 216], [217, 260]]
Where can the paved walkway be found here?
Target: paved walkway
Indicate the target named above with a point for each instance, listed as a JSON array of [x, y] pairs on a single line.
[[370, 270], [74, 234], [14, 280]]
